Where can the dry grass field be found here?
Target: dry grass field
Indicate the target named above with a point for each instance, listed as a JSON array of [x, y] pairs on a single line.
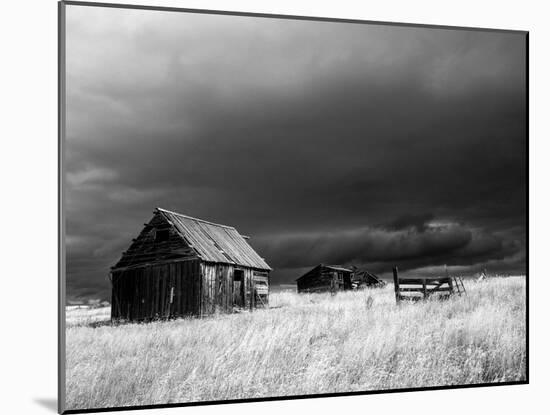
[[304, 344]]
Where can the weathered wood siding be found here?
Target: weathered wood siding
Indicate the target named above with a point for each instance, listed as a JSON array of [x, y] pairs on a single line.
[[315, 282], [147, 250], [184, 288], [156, 291], [218, 288]]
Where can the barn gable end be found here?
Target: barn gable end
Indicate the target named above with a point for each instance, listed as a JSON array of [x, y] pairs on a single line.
[[157, 243]]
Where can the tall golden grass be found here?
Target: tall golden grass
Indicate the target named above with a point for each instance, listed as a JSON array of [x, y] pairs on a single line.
[[304, 344]]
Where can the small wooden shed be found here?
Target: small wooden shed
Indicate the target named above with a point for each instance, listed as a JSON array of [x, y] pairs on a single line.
[[325, 278], [180, 266]]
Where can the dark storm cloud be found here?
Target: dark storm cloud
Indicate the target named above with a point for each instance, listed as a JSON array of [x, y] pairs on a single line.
[[326, 142], [418, 222], [436, 244]]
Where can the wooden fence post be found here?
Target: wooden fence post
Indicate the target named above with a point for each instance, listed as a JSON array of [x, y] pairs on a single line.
[[449, 280], [396, 285], [424, 288]]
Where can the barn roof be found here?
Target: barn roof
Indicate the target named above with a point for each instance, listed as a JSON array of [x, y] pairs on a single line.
[[214, 242], [337, 268]]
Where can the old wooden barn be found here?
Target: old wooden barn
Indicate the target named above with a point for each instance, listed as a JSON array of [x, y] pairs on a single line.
[[324, 278], [180, 266]]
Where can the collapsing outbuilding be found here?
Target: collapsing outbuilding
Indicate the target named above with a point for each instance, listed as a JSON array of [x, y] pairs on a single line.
[[332, 278], [364, 278], [179, 266]]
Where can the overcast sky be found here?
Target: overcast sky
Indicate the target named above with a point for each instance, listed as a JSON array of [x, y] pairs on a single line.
[[326, 142]]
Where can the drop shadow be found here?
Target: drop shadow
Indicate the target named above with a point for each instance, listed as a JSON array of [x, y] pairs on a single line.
[[48, 403]]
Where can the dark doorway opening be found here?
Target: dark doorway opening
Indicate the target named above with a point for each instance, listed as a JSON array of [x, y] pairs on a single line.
[[238, 288], [347, 281]]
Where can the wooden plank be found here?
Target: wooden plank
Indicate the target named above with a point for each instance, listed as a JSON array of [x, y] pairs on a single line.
[[208, 291], [213, 273], [421, 281], [141, 294], [212, 286], [169, 292], [261, 278], [226, 290], [156, 306], [220, 288], [197, 288], [217, 286], [396, 284], [194, 304], [152, 291], [122, 296], [180, 288], [202, 288], [447, 289], [134, 286], [141, 280], [213, 289], [424, 288], [252, 290], [162, 293], [261, 290], [183, 273], [268, 286], [146, 294], [171, 289], [175, 284], [194, 276], [137, 279], [129, 294], [118, 292], [120, 311], [411, 298], [205, 290], [421, 290], [165, 295], [187, 283]]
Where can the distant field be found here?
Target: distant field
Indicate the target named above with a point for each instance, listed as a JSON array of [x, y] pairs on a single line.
[[304, 344]]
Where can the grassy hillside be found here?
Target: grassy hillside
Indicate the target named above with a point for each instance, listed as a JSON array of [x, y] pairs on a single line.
[[304, 344]]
